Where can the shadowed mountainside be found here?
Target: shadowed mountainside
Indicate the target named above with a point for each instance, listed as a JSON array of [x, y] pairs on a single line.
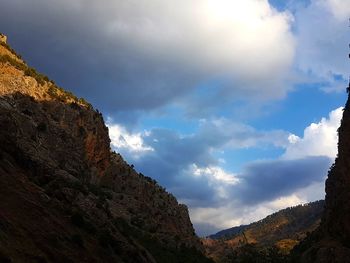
[[65, 196]]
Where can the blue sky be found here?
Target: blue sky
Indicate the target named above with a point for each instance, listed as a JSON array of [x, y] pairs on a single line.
[[232, 105]]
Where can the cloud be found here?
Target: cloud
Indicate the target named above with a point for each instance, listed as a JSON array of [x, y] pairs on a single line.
[[216, 173], [339, 8], [188, 167], [210, 221], [321, 30], [218, 198], [186, 164], [236, 135], [267, 180], [137, 55], [320, 139], [122, 139]]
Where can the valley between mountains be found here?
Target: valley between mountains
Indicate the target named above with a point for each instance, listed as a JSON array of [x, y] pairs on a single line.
[[65, 196]]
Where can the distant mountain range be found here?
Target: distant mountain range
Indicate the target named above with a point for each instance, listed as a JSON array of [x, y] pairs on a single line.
[[280, 231]]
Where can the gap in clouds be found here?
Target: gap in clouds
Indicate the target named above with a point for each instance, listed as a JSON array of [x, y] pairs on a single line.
[[188, 167]]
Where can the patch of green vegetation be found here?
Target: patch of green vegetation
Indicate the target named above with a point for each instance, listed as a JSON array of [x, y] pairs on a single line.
[[28, 71], [40, 78], [18, 65], [5, 45], [63, 95]]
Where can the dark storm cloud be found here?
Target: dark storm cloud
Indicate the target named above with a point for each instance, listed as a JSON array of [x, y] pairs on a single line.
[[72, 47], [142, 55], [264, 181]]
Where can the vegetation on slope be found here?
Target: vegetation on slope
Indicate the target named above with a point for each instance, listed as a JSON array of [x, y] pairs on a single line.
[[270, 239]]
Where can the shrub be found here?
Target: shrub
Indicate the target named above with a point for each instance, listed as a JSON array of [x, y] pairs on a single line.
[[13, 62], [28, 71], [5, 45]]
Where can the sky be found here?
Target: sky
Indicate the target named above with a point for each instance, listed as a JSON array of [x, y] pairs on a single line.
[[232, 105]]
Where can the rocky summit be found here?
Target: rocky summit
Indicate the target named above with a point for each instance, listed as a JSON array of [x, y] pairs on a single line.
[[64, 195]]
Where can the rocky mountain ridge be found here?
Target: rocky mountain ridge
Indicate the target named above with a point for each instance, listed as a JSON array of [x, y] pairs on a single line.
[[64, 194], [278, 232]]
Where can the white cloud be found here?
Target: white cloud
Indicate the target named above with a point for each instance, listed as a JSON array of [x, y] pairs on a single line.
[[315, 191], [322, 36], [122, 140], [215, 173], [223, 198], [320, 139], [164, 49], [239, 135], [217, 178], [340, 8], [246, 44]]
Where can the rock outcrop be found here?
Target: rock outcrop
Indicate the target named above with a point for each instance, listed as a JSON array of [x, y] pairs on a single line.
[[331, 241], [64, 195]]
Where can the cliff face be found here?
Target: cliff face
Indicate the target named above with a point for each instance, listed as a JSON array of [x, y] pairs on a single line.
[[64, 196], [331, 242]]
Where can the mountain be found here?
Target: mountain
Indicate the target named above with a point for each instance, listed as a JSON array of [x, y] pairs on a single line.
[[331, 241], [65, 196], [278, 232]]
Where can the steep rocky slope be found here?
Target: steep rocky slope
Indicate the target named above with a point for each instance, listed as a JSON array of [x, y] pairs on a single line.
[[331, 241], [278, 232], [64, 195]]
